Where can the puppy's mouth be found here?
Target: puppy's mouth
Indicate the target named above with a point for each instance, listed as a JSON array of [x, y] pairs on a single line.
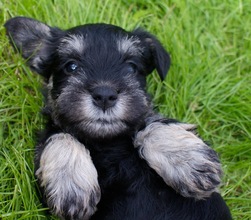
[[106, 122], [104, 128]]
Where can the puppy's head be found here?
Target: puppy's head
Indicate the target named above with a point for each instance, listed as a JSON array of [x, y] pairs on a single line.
[[95, 74]]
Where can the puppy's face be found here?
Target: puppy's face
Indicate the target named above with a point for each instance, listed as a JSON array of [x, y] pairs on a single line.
[[95, 73], [98, 80]]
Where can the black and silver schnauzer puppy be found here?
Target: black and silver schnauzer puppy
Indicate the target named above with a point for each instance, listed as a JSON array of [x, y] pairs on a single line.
[[105, 154]]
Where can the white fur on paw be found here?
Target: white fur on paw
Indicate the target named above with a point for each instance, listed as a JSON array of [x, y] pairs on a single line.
[[181, 158], [69, 178]]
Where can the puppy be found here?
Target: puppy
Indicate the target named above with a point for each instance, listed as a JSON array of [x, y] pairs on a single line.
[[105, 154]]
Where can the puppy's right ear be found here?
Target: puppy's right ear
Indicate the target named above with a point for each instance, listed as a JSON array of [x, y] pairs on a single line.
[[33, 39], [159, 58]]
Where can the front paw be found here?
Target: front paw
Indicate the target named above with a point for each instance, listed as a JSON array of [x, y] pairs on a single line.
[[181, 158], [69, 178]]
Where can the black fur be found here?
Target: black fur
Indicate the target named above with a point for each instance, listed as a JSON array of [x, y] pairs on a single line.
[[130, 189]]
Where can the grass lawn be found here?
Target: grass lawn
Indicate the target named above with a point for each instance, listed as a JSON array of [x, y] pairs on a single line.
[[209, 84]]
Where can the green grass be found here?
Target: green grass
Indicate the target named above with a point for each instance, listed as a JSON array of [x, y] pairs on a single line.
[[209, 84]]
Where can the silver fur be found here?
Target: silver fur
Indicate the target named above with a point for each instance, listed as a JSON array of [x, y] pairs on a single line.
[[68, 175], [72, 44], [129, 45], [181, 158]]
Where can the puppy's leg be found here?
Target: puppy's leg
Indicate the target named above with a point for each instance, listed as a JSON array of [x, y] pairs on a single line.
[[180, 157], [68, 177]]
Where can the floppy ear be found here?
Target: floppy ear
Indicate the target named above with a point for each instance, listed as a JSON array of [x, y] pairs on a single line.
[[159, 58], [33, 39]]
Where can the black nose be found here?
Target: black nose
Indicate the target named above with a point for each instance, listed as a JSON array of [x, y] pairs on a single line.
[[104, 97]]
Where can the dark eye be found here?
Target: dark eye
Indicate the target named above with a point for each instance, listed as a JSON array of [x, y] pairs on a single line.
[[132, 68], [71, 67]]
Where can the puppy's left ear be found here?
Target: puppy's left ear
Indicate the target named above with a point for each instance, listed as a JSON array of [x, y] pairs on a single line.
[[33, 40], [157, 56]]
